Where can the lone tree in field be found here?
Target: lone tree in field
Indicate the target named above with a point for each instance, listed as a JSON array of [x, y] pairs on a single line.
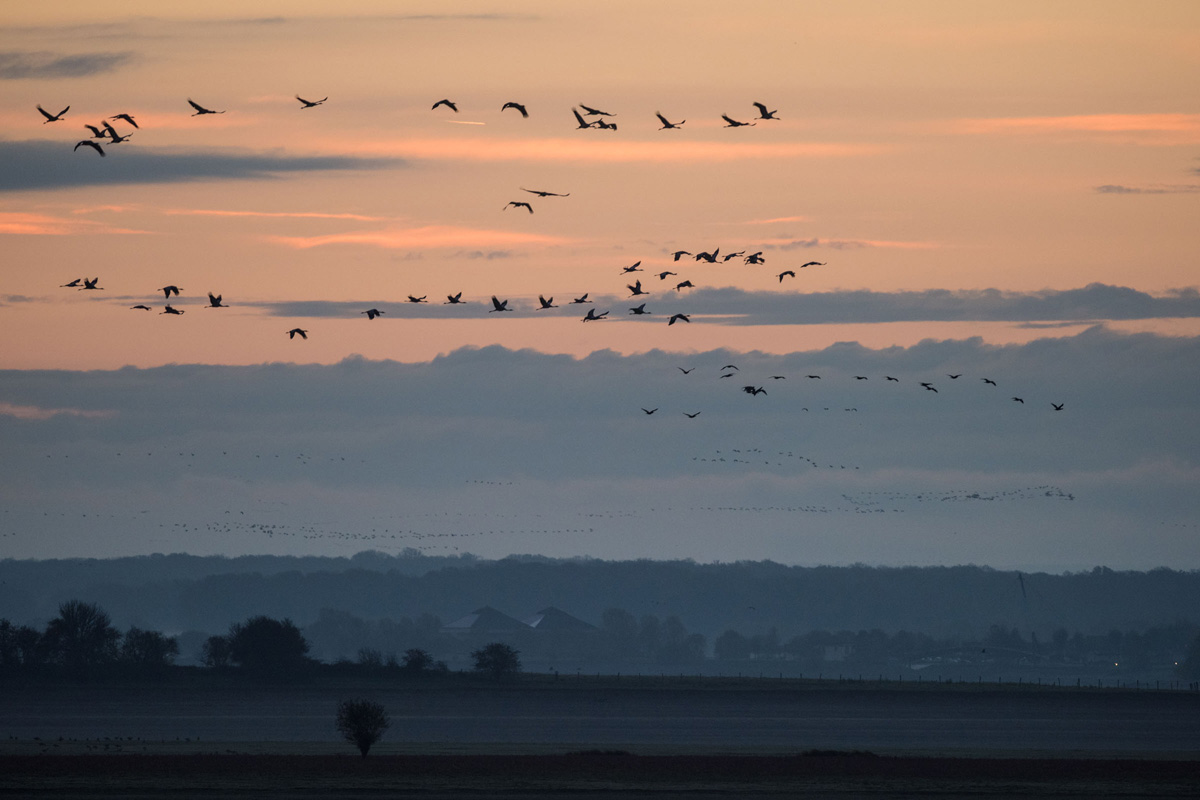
[[497, 659], [362, 723]]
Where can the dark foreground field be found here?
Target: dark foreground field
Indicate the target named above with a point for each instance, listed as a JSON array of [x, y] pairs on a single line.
[[579, 775]]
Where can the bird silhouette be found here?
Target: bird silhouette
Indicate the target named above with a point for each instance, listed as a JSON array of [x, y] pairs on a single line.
[[763, 113], [679, 253], [546, 303], [860, 377], [170, 290], [214, 301], [667, 125], [453, 299], [88, 143], [733, 123], [583, 123], [890, 378], [691, 416], [678, 318], [930, 388], [1019, 400], [813, 264], [96, 132], [498, 305], [113, 136], [519, 204], [310, 103], [595, 112], [816, 377], [140, 307], [371, 313], [662, 276], [753, 390], [755, 258], [730, 256], [786, 273], [303, 334], [634, 267], [988, 380], [126, 117], [420, 299], [953, 377], [605, 125], [710, 258], [52, 117], [445, 103], [583, 299], [636, 288], [517, 106], [684, 285], [91, 285], [1058, 406], [685, 371], [650, 410], [73, 284], [544, 194], [592, 316], [639, 310], [730, 366], [170, 310], [202, 110]]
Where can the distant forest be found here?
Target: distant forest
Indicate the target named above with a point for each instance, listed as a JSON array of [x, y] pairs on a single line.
[[182, 593]]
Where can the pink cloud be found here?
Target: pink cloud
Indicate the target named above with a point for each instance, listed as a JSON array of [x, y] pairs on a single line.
[[212, 212], [594, 149], [38, 413], [1169, 128], [25, 224], [428, 236]]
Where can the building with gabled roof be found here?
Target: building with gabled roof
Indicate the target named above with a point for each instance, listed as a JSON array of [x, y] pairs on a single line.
[[486, 620], [556, 620]]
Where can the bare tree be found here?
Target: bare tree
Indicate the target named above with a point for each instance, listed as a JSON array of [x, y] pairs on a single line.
[[362, 723]]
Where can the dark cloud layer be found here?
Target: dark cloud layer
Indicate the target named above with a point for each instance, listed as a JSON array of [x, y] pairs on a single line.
[[39, 165], [19, 66], [1111, 188], [1095, 302]]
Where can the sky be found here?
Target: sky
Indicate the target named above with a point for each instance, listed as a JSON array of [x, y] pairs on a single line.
[[1003, 192]]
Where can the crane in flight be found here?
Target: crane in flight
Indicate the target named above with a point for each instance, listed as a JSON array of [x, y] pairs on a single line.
[[128, 118], [518, 204], [453, 299], [684, 285], [787, 273], [583, 123], [499, 305], [52, 117], [678, 318], [733, 123], [764, 114], [310, 103], [595, 112], [517, 106], [545, 303], [420, 299], [371, 313], [447, 103], [650, 410], [115, 138], [202, 110], [634, 267], [169, 309], [813, 264], [214, 301], [635, 289], [170, 290], [666, 124], [592, 316], [91, 285], [544, 194], [90, 144], [294, 332], [583, 299], [639, 310]]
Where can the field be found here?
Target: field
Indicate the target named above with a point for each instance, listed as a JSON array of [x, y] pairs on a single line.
[[600, 737]]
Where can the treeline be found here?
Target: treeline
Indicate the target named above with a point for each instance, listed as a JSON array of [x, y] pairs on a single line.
[[181, 593]]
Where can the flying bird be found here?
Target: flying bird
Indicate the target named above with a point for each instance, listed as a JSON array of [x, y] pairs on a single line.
[[90, 285], [114, 137], [169, 290], [517, 106], [678, 318], [90, 144], [171, 310], [639, 310], [605, 125], [448, 104], [729, 366], [861, 377], [453, 299], [583, 123], [595, 112], [592, 316], [786, 273], [813, 264], [52, 117], [73, 284], [953, 377], [127, 117], [519, 204], [297, 331], [634, 267], [140, 307], [544, 194], [763, 113], [636, 288], [679, 253], [546, 303], [755, 258], [733, 123], [202, 110], [988, 380], [691, 416], [685, 371], [498, 305], [930, 388], [420, 299], [310, 103], [214, 301], [817, 377], [684, 285], [96, 132], [1058, 406], [711, 258], [583, 299], [667, 125], [371, 313], [890, 378], [730, 256], [1019, 400], [650, 410], [753, 390]]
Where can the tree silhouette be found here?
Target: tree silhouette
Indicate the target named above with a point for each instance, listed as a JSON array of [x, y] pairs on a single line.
[[362, 723], [81, 638], [148, 650], [267, 646], [215, 652], [497, 659]]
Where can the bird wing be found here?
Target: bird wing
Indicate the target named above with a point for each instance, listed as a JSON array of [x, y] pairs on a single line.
[[50, 116], [197, 106]]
